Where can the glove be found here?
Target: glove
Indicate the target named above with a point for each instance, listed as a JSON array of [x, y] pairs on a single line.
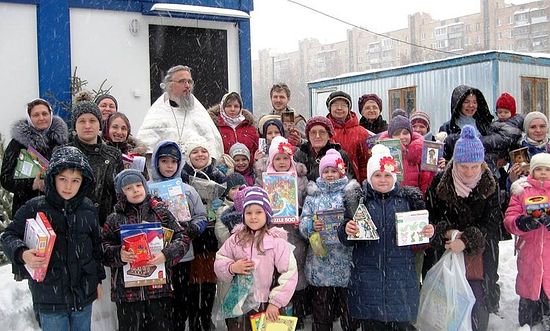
[[545, 220], [527, 223]]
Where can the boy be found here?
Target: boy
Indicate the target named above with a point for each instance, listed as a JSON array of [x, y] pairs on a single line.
[[241, 156], [63, 301]]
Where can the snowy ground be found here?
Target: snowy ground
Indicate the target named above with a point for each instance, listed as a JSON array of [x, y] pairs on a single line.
[[16, 307]]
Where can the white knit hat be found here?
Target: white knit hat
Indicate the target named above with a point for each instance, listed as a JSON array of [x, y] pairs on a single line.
[[380, 153], [539, 160]]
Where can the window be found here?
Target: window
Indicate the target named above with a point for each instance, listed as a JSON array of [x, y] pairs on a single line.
[[404, 98], [534, 95]]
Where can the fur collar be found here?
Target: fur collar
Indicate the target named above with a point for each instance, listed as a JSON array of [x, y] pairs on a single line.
[[446, 189], [27, 135]]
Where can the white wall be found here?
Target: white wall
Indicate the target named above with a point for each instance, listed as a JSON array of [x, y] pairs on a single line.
[[18, 63]]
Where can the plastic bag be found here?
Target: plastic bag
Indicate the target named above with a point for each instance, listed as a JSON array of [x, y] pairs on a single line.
[[446, 299], [317, 246], [239, 299]]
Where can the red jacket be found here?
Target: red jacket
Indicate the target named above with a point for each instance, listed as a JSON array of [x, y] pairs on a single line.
[[245, 133], [352, 137]]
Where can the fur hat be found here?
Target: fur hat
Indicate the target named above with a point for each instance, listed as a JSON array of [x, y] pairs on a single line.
[[273, 121], [258, 196], [398, 123], [127, 177], [539, 160], [239, 149], [85, 107], [507, 101], [232, 180], [382, 160], [320, 120], [333, 159], [106, 96], [532, 116], [366, 97], [338, 95], [468, 148], [420, 117]]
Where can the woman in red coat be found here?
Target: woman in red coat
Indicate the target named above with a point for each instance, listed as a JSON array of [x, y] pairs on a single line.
[[348, 133], [235, 123]]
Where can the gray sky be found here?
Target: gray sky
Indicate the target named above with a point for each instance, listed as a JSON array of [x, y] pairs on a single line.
[[280, 24]]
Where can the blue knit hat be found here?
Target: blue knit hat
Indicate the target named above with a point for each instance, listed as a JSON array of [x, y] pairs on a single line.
[[258, 196], [469, 149], [127, 177]]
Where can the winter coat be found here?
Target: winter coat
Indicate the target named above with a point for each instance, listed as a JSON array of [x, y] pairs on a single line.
[[533, 246], [333, 269], [412, 158], [352, 137], [23, 136], [376, 126], [75, 269], [106, 163], [383, 285], [210, 172], [163, 121], [478, 216], [222, 231], [249, 176], [532, 148], [245, 133], [310, 159], [148, 211], [276, 256]]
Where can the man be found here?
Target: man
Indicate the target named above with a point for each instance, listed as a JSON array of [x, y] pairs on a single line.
[[177, 114]]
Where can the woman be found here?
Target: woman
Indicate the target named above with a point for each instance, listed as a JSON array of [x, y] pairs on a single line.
[[235, 123], [107, 105], [464, 199], [41, 130], [319, 132], [370, 106], [348, 133]]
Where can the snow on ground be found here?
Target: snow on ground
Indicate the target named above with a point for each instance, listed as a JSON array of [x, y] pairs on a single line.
[[16, 307]]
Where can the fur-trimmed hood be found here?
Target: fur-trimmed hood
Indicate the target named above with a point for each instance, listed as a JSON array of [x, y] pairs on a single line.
[[214, 113], [446, 189], [321, 186], [519, 186], [44, 141]]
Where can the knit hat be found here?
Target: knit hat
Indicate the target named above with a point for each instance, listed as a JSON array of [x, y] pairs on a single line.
[[381, 160], [280, 145], [127, 177], [194, 142], [338, 95], [539, 160], [238, 199], [333, 159], [106, 96], [532, 116], [85, 107], [239, 149], [275, 122], [235, 179], [420, 117], [258, 196], [169, 150], [366, 97], [507, 101], [319, 120], [398, 123], [468, 148], [399, 112]]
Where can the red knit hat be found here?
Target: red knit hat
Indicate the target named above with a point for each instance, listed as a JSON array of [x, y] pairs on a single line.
[[506, 101], [320, 120]]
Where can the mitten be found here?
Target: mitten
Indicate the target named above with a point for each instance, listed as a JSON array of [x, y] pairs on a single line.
[[294, 138], [545, 220], [527, 223]]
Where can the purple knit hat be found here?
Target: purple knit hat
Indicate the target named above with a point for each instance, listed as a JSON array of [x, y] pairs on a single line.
[[398, 123], [366, 97], [319, 120], [258, 196], [469, 149]]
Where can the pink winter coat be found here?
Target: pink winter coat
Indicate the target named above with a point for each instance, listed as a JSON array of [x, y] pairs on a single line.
[[533, 246], [277, 255]]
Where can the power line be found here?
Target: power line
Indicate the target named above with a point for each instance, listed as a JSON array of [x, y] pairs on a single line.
[[369, 31]]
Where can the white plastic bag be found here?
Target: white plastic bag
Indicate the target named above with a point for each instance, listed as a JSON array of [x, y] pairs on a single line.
[[446, 299]]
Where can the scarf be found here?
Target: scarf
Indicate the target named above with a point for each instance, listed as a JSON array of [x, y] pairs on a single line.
[[233, 122], [462, 120], [464, 186]]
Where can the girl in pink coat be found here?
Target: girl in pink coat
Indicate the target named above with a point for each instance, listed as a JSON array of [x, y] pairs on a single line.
[[528, 217], [257, 249]]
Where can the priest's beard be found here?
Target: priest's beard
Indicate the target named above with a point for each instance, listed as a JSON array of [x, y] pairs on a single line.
[[185, 102]]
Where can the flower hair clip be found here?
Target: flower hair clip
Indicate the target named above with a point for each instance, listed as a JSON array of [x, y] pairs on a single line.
[[286, 148], [341, 166], [387, 163]]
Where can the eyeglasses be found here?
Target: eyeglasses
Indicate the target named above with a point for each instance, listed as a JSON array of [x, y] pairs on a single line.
[[183, 81], [320, 133]]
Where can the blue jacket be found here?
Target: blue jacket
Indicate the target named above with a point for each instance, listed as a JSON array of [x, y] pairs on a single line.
[[333, 269], [383, 284]]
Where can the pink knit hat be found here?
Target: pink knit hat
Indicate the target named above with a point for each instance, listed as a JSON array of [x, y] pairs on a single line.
[[333, 159], [280, 145]]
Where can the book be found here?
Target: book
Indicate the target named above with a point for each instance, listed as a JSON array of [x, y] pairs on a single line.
[[138, 236], [521, 157], [331, 220], [432, 151], [367, 228], [172, 192], [134, 161], [282, 189], [394, 146], [28, 165], [39, 235], [259, 322], [409, 227], [208, 190], [262, 145]]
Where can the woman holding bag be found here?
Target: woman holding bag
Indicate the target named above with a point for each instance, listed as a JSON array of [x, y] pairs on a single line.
[[464, 198]]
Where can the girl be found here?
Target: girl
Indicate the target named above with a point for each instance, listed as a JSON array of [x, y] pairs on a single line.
[[257, 248], [241, 157], [328, 275], [523, 218], [383, 288]]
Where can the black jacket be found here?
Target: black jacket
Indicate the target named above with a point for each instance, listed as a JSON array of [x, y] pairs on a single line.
[[75, 269], [307, 156], [376, 126], [24, 135]]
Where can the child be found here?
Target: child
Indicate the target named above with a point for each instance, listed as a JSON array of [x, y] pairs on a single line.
[[257, 249], [328, 275], [531, 222], [64, 299], [234, 183], [166, 165], [270, 129], [241, 156], [143, 307], [383, 288], [506, 107]]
